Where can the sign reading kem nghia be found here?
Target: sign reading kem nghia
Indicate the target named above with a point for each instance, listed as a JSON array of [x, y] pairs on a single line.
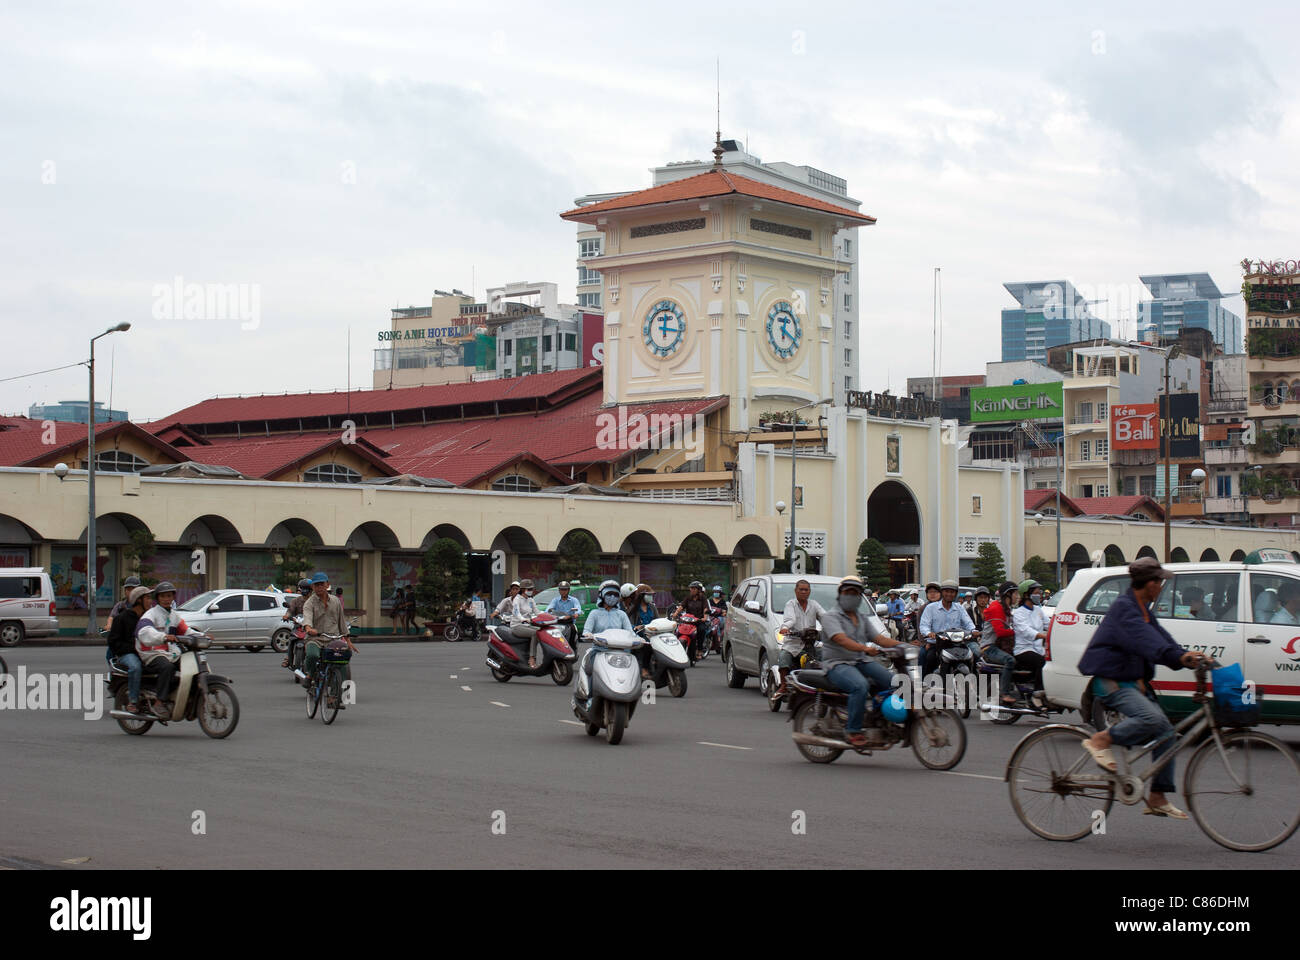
[[1024, 401]]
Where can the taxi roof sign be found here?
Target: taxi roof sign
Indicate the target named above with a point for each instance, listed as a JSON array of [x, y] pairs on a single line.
[[1269, 555]]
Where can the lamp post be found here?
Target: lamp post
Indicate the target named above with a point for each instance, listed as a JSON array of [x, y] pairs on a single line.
[[1060, 584], [91, 566], [794, 448]]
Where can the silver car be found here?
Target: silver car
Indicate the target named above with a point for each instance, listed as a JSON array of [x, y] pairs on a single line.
[[754, 613], [237, 618]]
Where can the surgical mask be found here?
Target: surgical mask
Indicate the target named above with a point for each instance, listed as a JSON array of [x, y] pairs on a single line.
[[849, 601], [611, 599], [1036, 597]]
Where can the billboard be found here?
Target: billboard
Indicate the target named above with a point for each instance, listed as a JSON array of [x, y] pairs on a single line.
[[1133, 426], [1023, 401], [1181, 425], [593, 340]]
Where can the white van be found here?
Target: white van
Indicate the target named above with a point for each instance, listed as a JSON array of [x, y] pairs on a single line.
[[26, 605], [1233, 611]]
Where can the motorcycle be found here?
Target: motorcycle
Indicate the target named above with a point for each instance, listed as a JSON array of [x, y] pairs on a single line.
[[717, 623], [665, 658], [297, 647], [690, 634], [196, 694], [609, 684], [820, 711], [507, 651], [956, 659], [1029, 702], [807, 658]]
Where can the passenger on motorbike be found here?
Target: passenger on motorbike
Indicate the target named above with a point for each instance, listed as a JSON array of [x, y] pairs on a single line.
[[506, 608], [848, 641], [941, 617], [998, 638], [121, 642], [697, 605], [643, 610], [897, 610], [524, 609], [322, 613], [295, 610], [129, 584], [1031, 631], [153, 634], [801, 613], [608, 616], [628, 598]]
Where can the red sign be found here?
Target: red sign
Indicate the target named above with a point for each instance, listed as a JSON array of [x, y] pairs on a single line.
[[1067, 618], [1133, 426], [593, 340]]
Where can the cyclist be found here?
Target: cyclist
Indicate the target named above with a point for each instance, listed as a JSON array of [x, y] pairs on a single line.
[[322, 613], [848, 640], [1121, 658]]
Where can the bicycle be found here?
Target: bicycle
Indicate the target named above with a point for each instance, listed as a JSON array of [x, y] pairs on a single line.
[[1050, 770], [327, 683]]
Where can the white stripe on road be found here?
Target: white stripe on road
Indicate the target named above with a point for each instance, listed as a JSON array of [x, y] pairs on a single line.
[[706, 743], [574, 722], [977, 776], [453, 676], [463, 687], [498, 703]]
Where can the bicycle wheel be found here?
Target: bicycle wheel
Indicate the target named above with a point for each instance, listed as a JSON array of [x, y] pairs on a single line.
[[333, 695], [1056, 788], [313, 695], [1245, 796]]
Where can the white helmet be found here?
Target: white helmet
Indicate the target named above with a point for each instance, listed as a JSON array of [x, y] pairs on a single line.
[[627, 590]]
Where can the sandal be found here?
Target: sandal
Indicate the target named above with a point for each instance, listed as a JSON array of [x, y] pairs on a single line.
[[856, 739], [1105, 759], [132, 708], [1166, 809]]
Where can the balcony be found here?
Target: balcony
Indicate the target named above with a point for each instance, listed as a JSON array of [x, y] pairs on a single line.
[[1274, 505], [1225, 456], [1265, 405], [1088, 424], [1216, 505], [1187, 503], [1074, 462]]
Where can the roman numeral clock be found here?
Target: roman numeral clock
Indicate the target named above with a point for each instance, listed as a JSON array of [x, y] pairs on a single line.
[[784, 332], [664, 328]]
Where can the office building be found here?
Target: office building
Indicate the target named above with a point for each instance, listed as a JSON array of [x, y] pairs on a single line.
[[1049, 314], [1187, 301]]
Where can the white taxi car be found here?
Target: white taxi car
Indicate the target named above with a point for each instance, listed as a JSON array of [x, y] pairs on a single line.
[[1245, 612]]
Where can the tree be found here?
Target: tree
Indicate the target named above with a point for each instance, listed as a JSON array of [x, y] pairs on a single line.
[[444, 575], [295, 561], [139, 556], [693, 563], [577, 557], [989, 568], [1036, 568], [873, 564]]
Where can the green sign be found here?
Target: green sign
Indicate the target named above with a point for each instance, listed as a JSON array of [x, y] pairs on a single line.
[[1025, 401]]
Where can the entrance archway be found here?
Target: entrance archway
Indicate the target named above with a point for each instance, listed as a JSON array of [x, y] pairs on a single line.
[[894, 519]]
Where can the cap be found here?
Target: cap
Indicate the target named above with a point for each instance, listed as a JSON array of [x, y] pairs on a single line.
[[644, 588], [526, 585], [320, 576], [851, 582], [1007, 587], [983, 590], [164, 587], [137, 593], [1145, 569], [1028, 585], [131, 581]]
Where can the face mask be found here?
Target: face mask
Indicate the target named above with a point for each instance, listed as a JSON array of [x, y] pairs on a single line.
[[611, 599], [849, 601], [1036, 597]]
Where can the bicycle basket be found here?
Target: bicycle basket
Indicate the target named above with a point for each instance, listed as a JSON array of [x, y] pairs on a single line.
[[336, 651], [1235, 703]]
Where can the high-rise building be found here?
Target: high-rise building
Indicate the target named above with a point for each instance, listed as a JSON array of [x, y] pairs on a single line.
[[1182, 300], [1271, 484], [799, 178], [73, 411], [1050, 313]]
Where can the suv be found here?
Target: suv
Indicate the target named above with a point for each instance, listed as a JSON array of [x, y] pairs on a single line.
[[1231, 611], [26, 605], [237, 618], [754, 613]]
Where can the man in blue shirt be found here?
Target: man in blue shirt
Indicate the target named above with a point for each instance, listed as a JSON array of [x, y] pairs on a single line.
[[940, 617], [896, 612], [566, 608]]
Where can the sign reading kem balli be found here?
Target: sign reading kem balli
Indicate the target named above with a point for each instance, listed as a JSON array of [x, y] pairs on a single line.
[[1023, 401]]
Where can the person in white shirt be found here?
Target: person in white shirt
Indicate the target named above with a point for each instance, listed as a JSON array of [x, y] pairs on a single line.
[[525, 608], [1031, 631], [506, 608], [801, 613]]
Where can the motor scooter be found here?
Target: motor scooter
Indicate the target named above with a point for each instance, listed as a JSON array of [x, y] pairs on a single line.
[[609, 684], [297, 647], [957, 659], [664, 656], [195, 694], [690, 633], [507, 651]]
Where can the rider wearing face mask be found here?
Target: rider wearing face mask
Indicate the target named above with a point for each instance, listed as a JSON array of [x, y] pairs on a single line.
[[524, 609], [608, 616], [1031, 631], [848, 641]]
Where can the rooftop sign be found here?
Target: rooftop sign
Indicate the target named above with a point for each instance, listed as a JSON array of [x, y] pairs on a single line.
[[1275, 267], [1026, 401]]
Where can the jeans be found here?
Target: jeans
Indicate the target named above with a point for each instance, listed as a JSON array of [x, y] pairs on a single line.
[[856, 679], [1143, 721], [996, 655], [130, 662]]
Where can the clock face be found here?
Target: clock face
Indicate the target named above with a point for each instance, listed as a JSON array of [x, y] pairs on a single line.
[[664, 328], [784, 331]]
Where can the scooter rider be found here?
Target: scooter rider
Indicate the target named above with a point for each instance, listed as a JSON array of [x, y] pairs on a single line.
[[121, 642], [295, 610], [506, 608], [848, 641], [897, 610], [801, 613], [939, 618], [566, 605], [153, 634], [608, 616], [697, 605], [1031, 631], [998, 637], [129, 584], [524, 609]]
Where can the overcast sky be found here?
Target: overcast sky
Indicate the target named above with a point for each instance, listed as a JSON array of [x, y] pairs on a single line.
[[338, 159]]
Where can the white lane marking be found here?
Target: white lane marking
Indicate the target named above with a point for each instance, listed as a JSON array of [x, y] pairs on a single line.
[[451, 676], [463, 687], [706, 743], [574, 722], [977, 776], [498, 703]]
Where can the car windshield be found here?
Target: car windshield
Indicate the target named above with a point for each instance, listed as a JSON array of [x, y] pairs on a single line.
[[823, 593], [199, 602]]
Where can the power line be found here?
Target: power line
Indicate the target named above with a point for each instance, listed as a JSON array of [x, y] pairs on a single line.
[[21, 376]]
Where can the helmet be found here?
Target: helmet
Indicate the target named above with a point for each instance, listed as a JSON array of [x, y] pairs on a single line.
[[304, 584], [137, 594], [696, 583], [526, 585], [320, 576], [1007, 587], [894, 709], [564, 585], [949, 584], [608, 587], [853, 582], [644, 588], [514, 583], [1027, 586], [627, 590], [165, 587], [716, 588], [933, 583], [131, 581], [982, 590]]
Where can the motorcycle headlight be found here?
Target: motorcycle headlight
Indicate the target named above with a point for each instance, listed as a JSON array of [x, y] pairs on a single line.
[[619, 660], [668, 640]]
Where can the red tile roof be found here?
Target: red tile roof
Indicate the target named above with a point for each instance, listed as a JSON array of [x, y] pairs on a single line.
[[542, 388], [715, 183], [22, 440], [265, 457], [1036, 499], [1118, 506]]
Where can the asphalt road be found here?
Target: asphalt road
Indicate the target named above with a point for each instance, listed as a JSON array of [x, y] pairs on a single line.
[[435, 754]]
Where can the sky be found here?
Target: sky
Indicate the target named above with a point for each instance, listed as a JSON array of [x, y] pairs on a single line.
[[332, 160]]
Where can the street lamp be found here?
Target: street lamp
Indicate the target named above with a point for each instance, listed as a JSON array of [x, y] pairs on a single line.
[[794, 447], [1198, 478], [91, 566]]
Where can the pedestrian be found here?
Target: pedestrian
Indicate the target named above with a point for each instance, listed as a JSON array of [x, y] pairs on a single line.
[[398, 601]]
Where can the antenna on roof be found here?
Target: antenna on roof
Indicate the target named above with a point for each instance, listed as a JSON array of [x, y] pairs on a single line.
[[717, 141]]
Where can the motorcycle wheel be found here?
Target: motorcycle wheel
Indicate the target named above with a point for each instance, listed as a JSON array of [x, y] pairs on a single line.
[[451, 633], [947, 722], [804, 718], [500, 676], [219, 711], [333, 695], [1003, 717], [280, 640], [615, 721], [133, 727], [561, 672], [677, 683]]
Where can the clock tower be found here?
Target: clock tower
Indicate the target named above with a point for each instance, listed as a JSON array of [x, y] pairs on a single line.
[[719, 285]]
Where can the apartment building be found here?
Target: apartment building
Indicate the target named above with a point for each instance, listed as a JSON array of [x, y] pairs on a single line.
[[1272, 475]]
